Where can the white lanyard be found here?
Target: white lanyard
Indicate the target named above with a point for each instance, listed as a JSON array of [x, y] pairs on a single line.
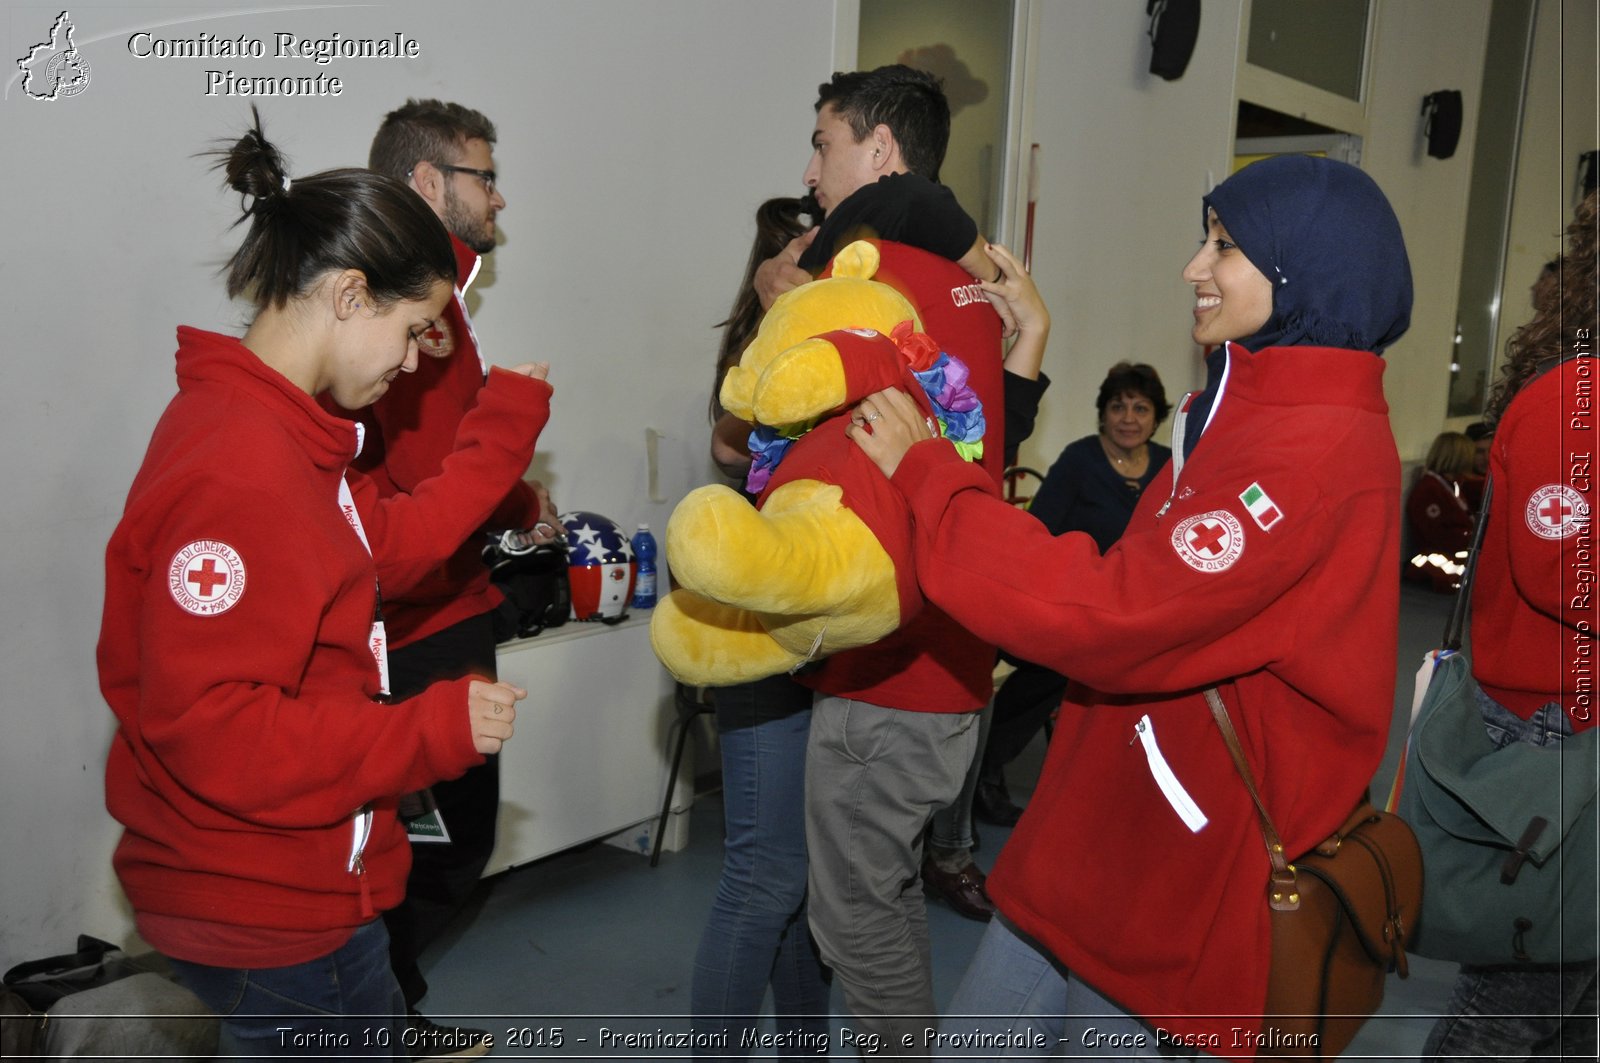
[[466, 318], [377, 640]]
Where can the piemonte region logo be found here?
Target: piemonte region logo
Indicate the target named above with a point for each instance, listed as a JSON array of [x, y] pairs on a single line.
[[55, 69]]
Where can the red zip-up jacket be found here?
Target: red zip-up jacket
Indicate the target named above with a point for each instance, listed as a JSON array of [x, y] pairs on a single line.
[[1269, 569], [234, 647], [417, 420]]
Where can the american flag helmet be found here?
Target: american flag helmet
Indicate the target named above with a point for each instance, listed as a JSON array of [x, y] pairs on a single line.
[[600, 567]]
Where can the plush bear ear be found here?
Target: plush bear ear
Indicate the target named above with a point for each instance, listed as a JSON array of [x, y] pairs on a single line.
[[803, 383], [858, 260], [738, 392]]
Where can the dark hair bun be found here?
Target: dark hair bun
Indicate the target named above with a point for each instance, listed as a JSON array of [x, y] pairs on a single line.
[[254, 169], [341, 219]]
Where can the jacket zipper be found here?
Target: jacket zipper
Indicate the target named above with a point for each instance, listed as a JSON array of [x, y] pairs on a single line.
[[1180, 431], [361, 824], [1168, 782]]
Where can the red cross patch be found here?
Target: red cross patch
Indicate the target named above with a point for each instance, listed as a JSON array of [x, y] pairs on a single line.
[[1210, 542], [1556, 511], [438, 340], [206, 577]]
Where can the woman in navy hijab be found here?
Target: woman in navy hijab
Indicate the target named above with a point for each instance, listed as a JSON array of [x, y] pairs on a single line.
[[1132, 894]]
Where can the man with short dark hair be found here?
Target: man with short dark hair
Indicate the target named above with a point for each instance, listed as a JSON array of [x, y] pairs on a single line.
[[443, 628], [879, 141], [895, 725]]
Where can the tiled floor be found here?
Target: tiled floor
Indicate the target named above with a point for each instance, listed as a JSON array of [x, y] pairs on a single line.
[[596, 938]]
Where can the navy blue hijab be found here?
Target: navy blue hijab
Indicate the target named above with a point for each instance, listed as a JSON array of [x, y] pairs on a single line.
[[1325, 236]]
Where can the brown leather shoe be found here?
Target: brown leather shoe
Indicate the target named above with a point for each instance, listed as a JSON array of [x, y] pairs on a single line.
[[962, 890]]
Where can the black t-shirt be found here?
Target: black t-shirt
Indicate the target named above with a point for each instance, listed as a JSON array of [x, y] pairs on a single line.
[[902, 207]]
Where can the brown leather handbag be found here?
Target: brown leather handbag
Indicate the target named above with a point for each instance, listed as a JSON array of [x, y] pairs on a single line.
[[1340, 915]]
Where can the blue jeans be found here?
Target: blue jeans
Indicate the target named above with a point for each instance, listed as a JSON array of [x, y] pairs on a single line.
[[1516, 1012], [757, 933], [1023, 1004], [346, 1003], [950, 829]]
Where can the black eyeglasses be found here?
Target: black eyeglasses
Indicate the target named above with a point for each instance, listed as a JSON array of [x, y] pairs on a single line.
[[486, 176]]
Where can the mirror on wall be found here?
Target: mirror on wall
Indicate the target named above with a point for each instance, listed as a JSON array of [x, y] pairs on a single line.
[[1322, 44]]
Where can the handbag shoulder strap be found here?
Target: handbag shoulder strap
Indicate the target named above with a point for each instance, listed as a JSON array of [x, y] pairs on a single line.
[[1457, 625], [1283, 893]]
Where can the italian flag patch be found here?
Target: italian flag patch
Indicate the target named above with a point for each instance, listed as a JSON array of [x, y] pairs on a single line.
[[1263, 510]]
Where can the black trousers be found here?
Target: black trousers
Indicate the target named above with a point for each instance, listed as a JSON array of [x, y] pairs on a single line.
[[1021, 706], [444, 874]]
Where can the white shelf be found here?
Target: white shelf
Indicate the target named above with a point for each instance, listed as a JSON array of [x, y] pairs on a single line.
[[589, 758]]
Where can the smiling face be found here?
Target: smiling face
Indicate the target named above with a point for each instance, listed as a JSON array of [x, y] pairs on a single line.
[[1129, 420], [373, 346], [840, 163], [1233, 299]]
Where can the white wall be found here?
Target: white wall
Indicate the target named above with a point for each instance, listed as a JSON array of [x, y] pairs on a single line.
[[1422, 46], [1125, 158], [636, 138]]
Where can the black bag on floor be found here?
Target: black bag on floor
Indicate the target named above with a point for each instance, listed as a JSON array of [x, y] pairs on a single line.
[[99, 1001], [40, 983]]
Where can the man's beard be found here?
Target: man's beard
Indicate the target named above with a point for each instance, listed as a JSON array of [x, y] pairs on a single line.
[[476, 233]]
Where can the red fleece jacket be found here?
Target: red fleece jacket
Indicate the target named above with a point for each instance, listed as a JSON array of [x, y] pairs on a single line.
[[1285, 597], [234, 646], [416, 423], [1534, 608]]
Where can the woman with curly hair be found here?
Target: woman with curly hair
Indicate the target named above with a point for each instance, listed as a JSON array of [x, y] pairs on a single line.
[[1529, 628]]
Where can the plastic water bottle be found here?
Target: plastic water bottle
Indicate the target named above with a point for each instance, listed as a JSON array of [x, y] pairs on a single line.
[[644, 552]]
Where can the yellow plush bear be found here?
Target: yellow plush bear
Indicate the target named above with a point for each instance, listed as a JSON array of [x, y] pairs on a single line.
[[824, 564]]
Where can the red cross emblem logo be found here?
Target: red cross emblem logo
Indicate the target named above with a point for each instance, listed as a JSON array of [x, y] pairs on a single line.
[[1209, 542], [206, 577], [438, 340], [1556, 511], [1207, 539]]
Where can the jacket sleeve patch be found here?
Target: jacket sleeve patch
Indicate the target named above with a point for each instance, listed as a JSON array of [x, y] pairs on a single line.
[[1556, 511], [1210, 542], [206, 577], [1262, 509]]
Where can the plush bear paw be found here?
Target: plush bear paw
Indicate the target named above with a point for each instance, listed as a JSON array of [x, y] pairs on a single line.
[[705, 643]]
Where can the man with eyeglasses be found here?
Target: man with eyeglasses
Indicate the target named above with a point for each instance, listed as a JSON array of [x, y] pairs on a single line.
[[444, 628]]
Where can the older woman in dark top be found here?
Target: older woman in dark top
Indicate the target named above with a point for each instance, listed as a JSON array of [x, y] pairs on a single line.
[[1092, 487]]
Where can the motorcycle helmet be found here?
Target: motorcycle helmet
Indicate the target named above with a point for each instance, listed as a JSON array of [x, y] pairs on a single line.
[[600, 567]]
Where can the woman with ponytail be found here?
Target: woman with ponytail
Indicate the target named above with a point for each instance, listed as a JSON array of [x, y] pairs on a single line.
[[256, 765]]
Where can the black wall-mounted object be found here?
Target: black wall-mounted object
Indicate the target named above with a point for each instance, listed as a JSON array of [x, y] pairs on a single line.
[[1441, 122], [1174, 27]]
